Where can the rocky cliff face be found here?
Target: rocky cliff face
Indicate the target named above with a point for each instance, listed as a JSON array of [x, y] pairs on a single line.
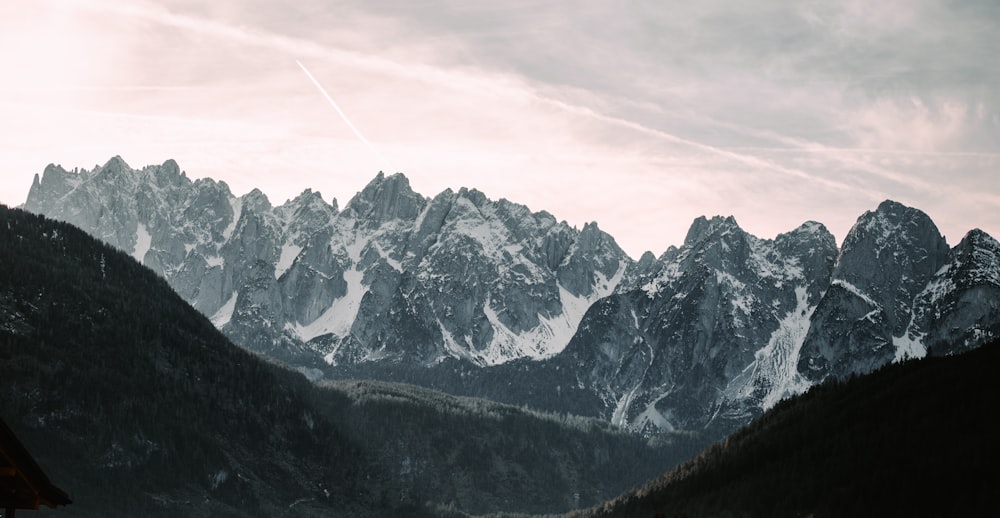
[[887, 259], [487, 298], [393, 276], [957, 310], [722, 328], [712, 331]]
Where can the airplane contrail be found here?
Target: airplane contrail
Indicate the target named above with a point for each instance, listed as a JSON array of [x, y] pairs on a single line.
[[387, 166]]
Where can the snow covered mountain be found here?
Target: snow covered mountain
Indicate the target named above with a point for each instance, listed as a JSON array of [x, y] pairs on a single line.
[[726, 326], [712, 330], [392, 276], [486, 298], [888, 258]]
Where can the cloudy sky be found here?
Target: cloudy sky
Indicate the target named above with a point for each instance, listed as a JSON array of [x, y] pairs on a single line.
[[641, 115]]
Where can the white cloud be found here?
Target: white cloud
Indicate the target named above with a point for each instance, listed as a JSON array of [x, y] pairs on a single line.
[[909, 124]]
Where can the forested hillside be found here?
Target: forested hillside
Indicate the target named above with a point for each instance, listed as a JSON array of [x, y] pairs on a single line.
[[481, 456], [912, 439], [137, 406]]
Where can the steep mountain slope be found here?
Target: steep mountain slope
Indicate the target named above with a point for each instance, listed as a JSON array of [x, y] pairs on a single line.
[[488, 299], [393, 276], [958, 307], [719, 330], [888, 257], [912, 439], [134, 403], [711, 332]]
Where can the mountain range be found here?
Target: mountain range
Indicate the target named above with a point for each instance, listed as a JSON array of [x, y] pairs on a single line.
[[488, 298], [136, 405]]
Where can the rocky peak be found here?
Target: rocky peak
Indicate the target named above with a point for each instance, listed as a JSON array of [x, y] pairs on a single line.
[[53, 173], [115, 166], [810, 231], [594, 250], [477, 197], [814, 246], [888, 259], [895, 246], [170, 166], [894, 226], [256, 201], [591, 239], [808, 237], [309, 198], [523, 222], [55, 183], [718, 243], [977, 257], [594, 242], [640, 272], [670, 254], [386, 198], [169, 174], [307, 213], [428, 224], [976, 238], [701, 228], [646, 261]]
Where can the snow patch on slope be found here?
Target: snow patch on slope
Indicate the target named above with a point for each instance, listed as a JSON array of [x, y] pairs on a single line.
[[396, 265], [854, 290], [774, 368], [654, 417], [506, 344], [620, 416], [339, 318], [741, 299], [491, 235], [910, 345], [143, 242], [670, 273], [552, 334], [452, 346], [237, 206], [225, 313], [355, 248], [288, 254]]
